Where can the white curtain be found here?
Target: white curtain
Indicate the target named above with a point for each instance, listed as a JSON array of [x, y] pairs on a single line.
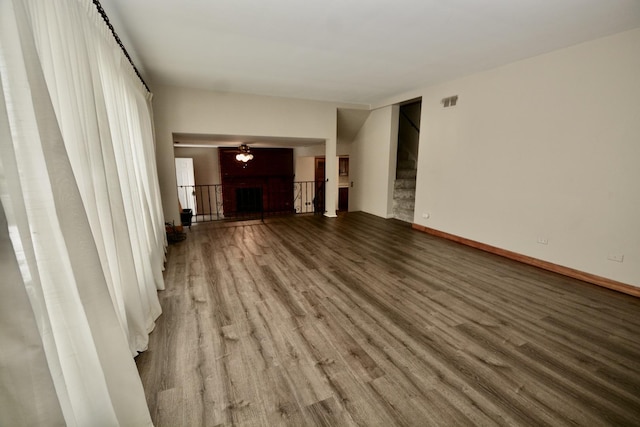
[[81, 229]]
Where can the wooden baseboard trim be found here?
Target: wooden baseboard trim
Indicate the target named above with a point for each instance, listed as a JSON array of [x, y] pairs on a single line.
[[566, 271]]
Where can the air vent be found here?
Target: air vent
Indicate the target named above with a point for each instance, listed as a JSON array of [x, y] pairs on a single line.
[[450, 101]]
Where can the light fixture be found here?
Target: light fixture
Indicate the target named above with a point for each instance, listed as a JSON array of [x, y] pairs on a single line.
[[244, 154]]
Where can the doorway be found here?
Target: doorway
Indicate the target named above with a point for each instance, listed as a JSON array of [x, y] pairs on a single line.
[[320, 179], [186, 182], [404, 193], [343, 183]]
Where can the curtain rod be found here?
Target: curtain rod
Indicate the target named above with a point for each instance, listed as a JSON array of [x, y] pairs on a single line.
[[115, 36]]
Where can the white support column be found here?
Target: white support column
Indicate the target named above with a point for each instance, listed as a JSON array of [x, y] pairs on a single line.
[[331, 175]]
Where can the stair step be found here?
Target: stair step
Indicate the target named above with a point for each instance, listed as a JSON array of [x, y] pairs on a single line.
[[406, 173], [404, 204], [404, 183], [405, 215], [404, 193], [406, 164]]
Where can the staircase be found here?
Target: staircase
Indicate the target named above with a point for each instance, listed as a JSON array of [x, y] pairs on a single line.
[[404, 191]]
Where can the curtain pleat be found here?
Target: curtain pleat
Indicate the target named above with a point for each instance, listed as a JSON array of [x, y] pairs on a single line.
[[24, 369], [81, 227]]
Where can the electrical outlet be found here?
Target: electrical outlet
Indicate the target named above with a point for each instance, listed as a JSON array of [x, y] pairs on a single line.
[[426, 215], [616, 257], [543, 240]]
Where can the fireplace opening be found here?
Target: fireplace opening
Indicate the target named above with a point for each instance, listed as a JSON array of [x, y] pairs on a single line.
[[249, 200]]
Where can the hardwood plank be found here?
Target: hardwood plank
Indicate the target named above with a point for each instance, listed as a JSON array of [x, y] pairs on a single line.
[[358, 320]]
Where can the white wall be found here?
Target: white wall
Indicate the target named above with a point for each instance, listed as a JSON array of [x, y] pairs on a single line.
[[543, 148], [372, 163], [206, 164], [547, 147], [304, 171], [310, 151], [342, 149], [182, 110], [305, 168]]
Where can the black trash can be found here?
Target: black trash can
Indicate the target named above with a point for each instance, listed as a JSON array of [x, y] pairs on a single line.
[[185, 217]]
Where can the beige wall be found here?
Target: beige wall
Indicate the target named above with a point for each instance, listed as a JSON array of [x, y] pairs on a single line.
[[206, 164], [343, 149], [304, 172], [182, 110], [206, 171], [372, 163], [307, 168], [546, 148]]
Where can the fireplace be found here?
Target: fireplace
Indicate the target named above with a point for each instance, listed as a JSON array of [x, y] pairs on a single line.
[[263, 186], [248, 200]]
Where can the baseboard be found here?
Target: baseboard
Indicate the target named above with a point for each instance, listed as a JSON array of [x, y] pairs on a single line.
[[566, 271]]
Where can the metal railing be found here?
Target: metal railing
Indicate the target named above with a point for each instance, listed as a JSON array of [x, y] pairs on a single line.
[[218, 202]]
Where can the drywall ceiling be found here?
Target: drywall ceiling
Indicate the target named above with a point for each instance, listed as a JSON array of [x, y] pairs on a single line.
[[356, 51]]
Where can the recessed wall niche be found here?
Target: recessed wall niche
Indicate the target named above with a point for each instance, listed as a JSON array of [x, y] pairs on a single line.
[[267, 179]]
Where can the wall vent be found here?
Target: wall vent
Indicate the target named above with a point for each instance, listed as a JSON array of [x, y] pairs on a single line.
[[450, 101]]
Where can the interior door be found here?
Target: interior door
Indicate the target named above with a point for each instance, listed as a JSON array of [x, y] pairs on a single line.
[[186, 183], [320, 183]]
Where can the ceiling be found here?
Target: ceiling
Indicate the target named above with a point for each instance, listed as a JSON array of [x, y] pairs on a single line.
[[355, 51]]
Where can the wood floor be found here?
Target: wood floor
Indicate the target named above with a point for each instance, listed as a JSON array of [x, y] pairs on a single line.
[[358, 320]]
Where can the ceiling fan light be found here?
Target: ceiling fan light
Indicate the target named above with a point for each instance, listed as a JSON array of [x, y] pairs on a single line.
[[244, 154]]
